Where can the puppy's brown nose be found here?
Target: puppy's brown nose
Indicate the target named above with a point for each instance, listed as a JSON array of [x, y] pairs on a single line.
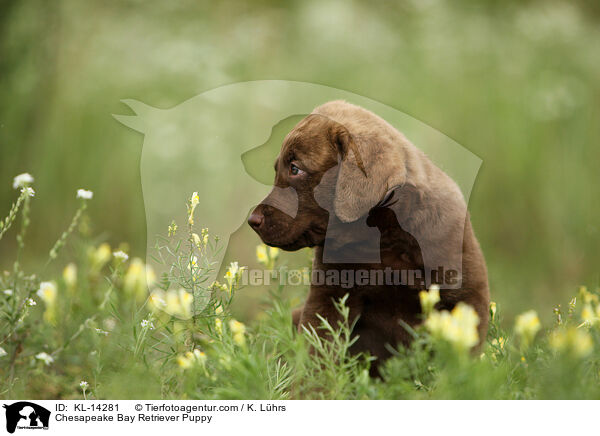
[[255, 220]]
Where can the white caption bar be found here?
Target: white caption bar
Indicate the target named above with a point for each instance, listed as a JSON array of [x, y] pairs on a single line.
[[282, 417]]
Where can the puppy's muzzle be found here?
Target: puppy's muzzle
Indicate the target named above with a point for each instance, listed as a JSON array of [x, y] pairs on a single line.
[[282, 199]]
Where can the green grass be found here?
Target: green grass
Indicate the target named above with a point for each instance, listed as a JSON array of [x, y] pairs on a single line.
[[95, 331]]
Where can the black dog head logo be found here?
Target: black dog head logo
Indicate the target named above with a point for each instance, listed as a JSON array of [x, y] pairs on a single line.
[[26, 415]]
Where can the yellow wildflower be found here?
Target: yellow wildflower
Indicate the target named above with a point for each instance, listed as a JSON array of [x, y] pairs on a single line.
[[572, 340], [197, 240], [233, 274], [236, 326], [267, 256], [70, 276], [172, 228], [429, 298], [458, 327], [194, 201], [274, 253], [572, 304], [175, 303], [588, 315], [497, 347], [220, 286], [261, 254], [193, 264], [179, 303], [191, 358], [200, 356], [238, 330], [239, 339], [586, 296], [499, 342], [184, 362], [101, 256], [47, 293], [157, 300], [150, 276], [527, 326], [218, 321], [493, 309], [134, 282], [172, 307], [133, 273], [186, 300], [200, 240]]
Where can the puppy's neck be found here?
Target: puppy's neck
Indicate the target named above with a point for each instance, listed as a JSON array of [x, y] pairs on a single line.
[[376, 241]]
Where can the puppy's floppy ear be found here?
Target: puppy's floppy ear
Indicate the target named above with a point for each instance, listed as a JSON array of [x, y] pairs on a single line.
[[367, 170]]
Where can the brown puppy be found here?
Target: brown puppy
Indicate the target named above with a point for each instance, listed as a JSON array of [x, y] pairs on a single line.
[[384, 220]]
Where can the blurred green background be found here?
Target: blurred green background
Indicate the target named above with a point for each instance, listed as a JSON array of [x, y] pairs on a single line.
[[514, 82]]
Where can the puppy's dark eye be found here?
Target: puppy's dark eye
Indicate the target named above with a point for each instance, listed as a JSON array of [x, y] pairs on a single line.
[[295, 170]]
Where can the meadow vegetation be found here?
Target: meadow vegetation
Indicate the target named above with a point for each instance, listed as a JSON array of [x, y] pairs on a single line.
[[99, 324]]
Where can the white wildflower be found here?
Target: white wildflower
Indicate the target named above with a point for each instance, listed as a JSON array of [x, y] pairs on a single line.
[[121, 255], [8, 292], [83, 385], [28, 191], [3, 352], [147, 324], [84, 194], [45, 357], [22, 180], [30, 302], [101, 332]]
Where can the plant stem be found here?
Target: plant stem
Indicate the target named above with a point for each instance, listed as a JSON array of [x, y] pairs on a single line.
[[8, 221], [63, 238]]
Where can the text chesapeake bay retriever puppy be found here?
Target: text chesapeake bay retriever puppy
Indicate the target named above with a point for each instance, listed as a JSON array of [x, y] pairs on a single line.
[[384, 221]]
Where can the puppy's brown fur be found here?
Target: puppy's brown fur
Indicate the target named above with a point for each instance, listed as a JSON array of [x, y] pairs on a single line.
[[351, 165]]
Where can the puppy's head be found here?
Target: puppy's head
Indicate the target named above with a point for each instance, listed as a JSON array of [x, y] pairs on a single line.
[[324, 175]]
